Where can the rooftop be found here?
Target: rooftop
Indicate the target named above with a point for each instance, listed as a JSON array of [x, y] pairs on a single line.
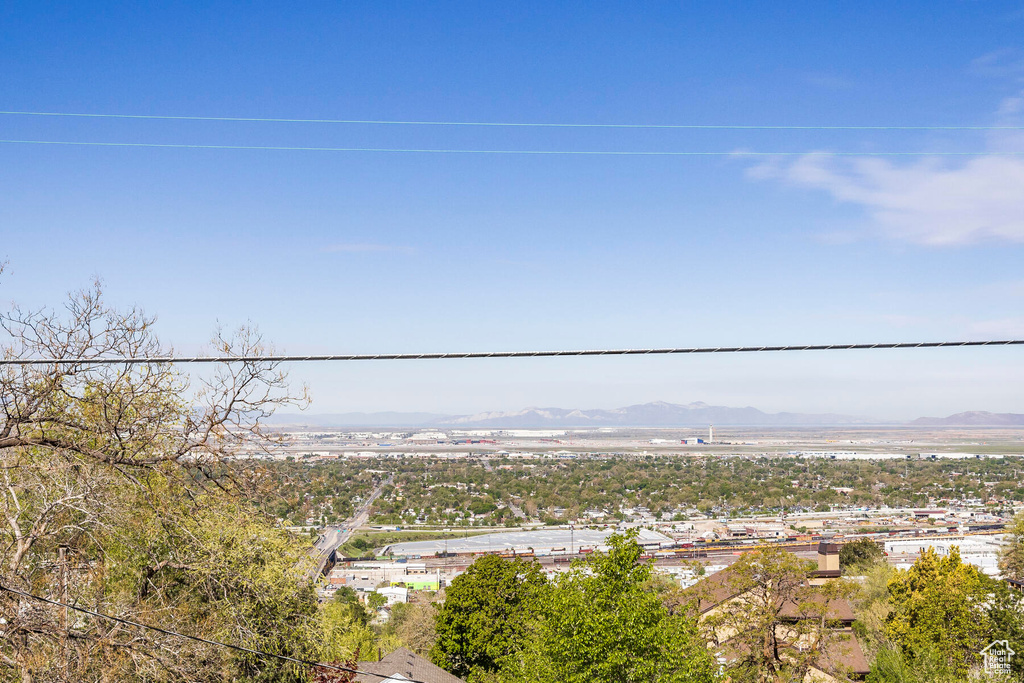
[[539, 541], [403, 664]]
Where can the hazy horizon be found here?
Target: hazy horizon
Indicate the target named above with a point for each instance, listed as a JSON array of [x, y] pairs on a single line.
[[437, 418]]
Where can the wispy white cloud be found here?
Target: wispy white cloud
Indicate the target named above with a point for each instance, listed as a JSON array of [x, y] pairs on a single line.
[[366, 248], [1006, 63], [930, 201]]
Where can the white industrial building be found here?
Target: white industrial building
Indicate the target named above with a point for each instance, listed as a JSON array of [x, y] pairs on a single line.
[[538, 542], [980, 551], [394, 594]]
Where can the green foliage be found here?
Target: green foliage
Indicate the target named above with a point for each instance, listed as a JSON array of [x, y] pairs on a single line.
[[1011, 560], [938, 605], [482, 507], [859, 555], [1005, 611], [375, 601], [216, 564], [893, 665], [316, 490], [871, 606], [441, 491], [343, 630], [484, 619], [942, 614], [600, 624], [121, 491]]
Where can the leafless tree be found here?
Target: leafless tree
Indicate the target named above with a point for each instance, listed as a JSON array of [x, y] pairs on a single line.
[[101, 468]]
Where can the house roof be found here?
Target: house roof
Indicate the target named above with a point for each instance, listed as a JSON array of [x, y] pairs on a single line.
[[403, 664], [844, 654], [837, 609], [715, 589], [721, 587]]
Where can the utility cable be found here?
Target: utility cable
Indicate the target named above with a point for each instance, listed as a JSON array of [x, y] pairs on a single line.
[[499, 124], [534, 152], [207, 641], [461, 355]]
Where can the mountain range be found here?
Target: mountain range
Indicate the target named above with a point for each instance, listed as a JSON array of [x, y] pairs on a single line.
[[656, 414], [973, 418]]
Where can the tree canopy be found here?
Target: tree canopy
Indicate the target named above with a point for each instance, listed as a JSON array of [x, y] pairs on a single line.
[[484, 619], [601, 623], [942, 613], [1011, 560], [938, 607], [859, 555], [123, 490]]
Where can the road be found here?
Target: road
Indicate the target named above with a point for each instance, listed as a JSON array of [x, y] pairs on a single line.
[[335, 537], [517, 511]]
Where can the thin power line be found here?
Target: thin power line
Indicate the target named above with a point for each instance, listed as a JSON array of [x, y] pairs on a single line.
[[543, 152], [240, 648], [461, 355], [498, 124]]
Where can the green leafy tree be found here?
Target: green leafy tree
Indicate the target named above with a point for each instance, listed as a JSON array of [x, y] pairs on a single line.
[[893, 665], [872, 607], [938, 605], [345, 595], [602, 622], [1005, 611], [344, 631], [482, 507], [375, 601], [1011, 560], [484, 618], [857, 556]]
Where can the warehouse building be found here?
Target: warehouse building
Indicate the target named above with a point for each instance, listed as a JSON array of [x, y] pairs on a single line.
[[537, 542]]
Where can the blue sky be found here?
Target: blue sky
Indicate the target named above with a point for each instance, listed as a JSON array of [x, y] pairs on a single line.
[[365, 252]]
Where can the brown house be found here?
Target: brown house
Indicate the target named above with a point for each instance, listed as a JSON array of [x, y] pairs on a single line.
[[841, 659]]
